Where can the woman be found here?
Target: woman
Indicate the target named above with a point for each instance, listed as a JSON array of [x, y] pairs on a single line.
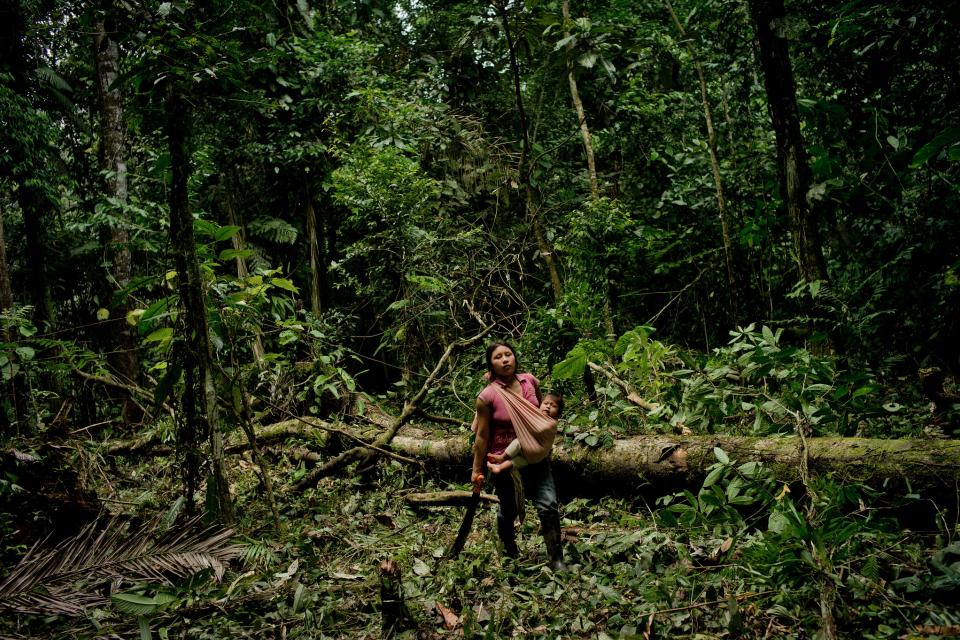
[[495, 431]]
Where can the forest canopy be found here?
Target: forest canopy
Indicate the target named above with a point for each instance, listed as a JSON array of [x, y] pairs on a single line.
[[691, 218]]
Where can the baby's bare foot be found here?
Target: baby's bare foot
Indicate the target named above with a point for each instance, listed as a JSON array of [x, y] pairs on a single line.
[[499, 467]]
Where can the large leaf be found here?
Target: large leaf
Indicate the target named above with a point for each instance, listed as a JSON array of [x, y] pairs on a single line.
[[69, 578], [927, 151], [572, 366], [139, 605]]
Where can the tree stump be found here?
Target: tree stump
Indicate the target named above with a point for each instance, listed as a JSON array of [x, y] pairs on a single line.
[[393, 610]]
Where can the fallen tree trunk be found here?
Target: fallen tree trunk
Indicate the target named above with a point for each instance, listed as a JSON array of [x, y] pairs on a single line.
[[631, 463], [674, 459]]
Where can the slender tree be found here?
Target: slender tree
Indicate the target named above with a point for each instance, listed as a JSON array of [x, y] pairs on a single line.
[[714, 166], [588, 153], [578, 106], [239, 244], [317, 262], [201, 417], [113, 166], [28, 158], [524, 168], [794, 170], [6, 303]]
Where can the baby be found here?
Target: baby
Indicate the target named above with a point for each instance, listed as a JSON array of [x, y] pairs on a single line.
[[512, 456]]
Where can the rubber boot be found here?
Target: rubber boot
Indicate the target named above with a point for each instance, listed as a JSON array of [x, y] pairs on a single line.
[[550, 528], [508, 536]]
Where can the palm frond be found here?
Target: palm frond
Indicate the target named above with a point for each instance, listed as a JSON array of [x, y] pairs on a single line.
[[76, 573]]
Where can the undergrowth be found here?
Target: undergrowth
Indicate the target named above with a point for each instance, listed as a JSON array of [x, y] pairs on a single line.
[[741, 557]]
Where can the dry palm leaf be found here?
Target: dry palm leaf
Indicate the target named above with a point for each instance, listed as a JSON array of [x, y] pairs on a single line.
[[75, 574]]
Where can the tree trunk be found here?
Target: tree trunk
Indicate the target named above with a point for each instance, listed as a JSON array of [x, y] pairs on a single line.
[[591, 163], [317, 261], [792, 166], [198, 356], [667, 459], [233, 218], [35, 205], [29, 158], [523, 170], [715, 168], [6, 292], [6, 303], [113, 165], [659, 459], [581, 113]]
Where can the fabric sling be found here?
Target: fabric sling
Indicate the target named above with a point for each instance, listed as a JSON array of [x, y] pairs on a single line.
[[535, 431]]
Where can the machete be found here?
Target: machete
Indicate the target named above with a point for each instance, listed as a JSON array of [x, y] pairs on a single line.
[[467, 523]]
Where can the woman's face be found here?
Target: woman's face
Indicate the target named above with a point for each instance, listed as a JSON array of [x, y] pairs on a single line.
[[503, 362]]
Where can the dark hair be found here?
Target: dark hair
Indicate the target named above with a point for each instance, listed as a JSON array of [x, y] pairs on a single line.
[[493, 347], [559, 399]]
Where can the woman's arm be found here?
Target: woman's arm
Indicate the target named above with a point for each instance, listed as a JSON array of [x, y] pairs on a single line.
[[482, 442]]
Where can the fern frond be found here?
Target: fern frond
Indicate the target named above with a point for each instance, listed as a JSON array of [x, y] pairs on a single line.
[[74, 575]]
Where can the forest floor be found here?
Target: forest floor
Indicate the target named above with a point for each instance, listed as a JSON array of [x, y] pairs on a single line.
[[676, 569]]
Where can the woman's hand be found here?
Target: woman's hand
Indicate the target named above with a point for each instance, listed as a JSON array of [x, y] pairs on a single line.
[[477, 481]]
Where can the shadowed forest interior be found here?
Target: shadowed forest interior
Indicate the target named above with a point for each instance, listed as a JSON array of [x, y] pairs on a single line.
[[252, 253]]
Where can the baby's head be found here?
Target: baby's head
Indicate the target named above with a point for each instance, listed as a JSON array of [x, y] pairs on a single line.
[[552, 405]]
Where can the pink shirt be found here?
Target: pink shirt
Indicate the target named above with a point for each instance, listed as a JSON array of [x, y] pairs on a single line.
[[501, 429]]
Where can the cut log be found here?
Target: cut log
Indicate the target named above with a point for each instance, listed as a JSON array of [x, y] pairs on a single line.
[[679, 459], [662, 459]]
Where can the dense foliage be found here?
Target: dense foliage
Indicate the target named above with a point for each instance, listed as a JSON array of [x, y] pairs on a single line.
[[605, 183]]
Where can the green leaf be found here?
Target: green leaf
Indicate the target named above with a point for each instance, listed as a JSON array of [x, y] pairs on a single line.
[[714, 476], [749, 469], [160, 335], [587, 60], [230, 254], [562, 42], [27, 330], [139, 605], [894, 142], [225, 233], [427, 283], [572, 366], [288, 337], [398, 304], [927, 151], [26, 353], [285, 284], [205, 227], [420, 567], [153, 311], [778, 521], [721, 455]]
